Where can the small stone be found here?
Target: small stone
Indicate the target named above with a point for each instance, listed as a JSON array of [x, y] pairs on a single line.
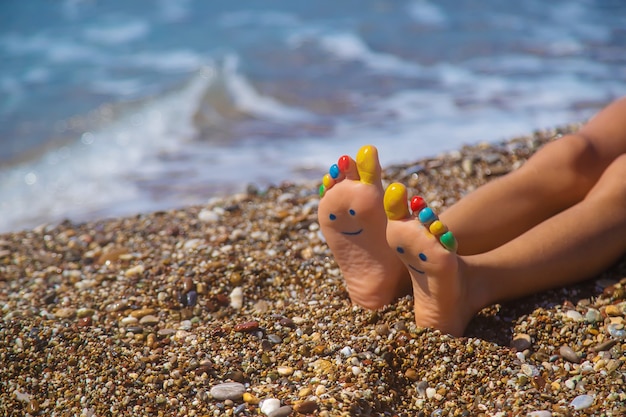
[[134, 329], [304, 392], [382, 329], [529, 370], [208, 216], [283, 411], [421, 387], [582, 401], [411, 374], [568, 354], [593, 316], [616, 330], [284, 370], [134, 271], [84, 312], [274, 338], [604, 346], [612, 311], [85, 322], [269, 405], [65, 312], [193, 244], [165, 332], [319, 390], [347, 351], [430, 392], [149, 320], [613, 365], [468, 166], [250, 399], [521, 342], [574, 315], [540, 413], [228, 391], [191, 298], [128, 321], [247, 326], [287, 322], [236, 298], [188, 284], [305, 407], [141, 312]]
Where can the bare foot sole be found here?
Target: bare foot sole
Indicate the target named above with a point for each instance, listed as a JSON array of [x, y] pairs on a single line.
[[429, 252], [353, 221]]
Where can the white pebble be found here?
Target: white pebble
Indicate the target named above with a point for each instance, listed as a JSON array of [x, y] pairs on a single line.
[[192, 244], [347, 351], [430, 392], [134, 271], [269, 405], [208, 216], [582, 401], [540, 413], [356, 370], [228, 391], [236, 298], [574, 315]]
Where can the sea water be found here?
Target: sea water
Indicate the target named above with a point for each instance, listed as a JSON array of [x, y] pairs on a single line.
[[117, 107]]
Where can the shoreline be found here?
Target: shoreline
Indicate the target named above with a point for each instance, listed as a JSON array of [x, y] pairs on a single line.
[[152, 314]]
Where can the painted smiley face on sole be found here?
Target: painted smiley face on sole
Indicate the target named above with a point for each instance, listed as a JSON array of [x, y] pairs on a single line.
[[353, 221], [351, 214], [422, 257]]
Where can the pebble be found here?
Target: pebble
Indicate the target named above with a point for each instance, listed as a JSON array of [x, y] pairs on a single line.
[[149, 320], [269, 405], [84, 312], [134, 271], [208, 216], [284, 370], [247, 326], [228, 391], [529, 370], [521, 342], [568, 354], [236, 298], [582, 401], [283, 411], [65, 312], [540, 413], [612, 311], [421, 388], [305, 407], [616, 330], [347, 351], [593, 316], [250, 399], [574, 315]]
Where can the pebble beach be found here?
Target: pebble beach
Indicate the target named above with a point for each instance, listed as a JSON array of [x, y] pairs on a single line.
[[237, 308]]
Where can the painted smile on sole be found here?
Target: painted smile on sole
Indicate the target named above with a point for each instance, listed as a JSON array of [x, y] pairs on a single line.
[[352, 233], [415, 269]]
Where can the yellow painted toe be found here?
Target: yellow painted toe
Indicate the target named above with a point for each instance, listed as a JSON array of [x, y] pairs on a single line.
[[395, 202]]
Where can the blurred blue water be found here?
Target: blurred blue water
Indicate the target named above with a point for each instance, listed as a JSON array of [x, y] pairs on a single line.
[[113, 107]]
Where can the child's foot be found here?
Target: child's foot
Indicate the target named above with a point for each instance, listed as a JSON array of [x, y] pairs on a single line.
[[429, 252], [353, 221]]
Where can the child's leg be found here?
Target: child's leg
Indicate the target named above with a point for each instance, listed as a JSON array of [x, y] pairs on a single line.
[[568, 247], [573, 245], [555, 178]]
